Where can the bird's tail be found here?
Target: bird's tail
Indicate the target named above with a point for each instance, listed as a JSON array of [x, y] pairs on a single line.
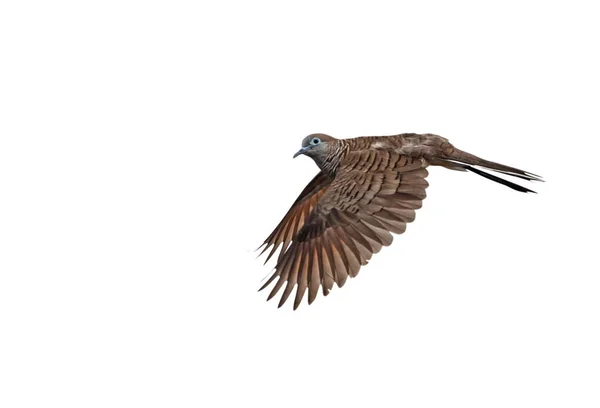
[[456, 159]]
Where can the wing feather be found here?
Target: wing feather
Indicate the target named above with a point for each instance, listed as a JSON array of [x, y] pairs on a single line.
[[336, 225], [294, 219]]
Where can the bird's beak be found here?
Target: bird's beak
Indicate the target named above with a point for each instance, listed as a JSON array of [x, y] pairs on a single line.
[[301, 151]]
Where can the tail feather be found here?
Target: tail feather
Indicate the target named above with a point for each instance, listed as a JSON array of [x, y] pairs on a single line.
[[499, 180], [468, 158], [458, 160]]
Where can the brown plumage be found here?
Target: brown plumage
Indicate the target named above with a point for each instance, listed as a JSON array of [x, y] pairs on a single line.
[[368, 188]]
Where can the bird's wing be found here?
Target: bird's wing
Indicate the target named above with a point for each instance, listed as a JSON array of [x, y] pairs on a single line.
[[296, 216], [374, 193]]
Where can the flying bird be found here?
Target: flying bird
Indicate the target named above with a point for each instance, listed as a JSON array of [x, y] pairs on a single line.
[[368, 188]]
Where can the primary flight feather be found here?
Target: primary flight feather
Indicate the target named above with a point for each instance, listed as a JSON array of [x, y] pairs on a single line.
[[368, 188]]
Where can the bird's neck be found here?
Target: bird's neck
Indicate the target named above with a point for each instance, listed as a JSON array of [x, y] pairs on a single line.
[[330, 162]]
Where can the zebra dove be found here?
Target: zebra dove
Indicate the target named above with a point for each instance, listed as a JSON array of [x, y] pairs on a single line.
[[368, 188]]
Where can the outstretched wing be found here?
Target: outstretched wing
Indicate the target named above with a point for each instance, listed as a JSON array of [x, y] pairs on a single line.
[[375, 192], [296, 216]]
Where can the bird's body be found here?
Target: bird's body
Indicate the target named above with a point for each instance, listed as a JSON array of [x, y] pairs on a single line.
[[368, 188]]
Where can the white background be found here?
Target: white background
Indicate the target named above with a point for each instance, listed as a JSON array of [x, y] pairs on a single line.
[[146, 151]]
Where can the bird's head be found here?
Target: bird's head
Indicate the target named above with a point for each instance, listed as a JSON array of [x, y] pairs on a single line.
[[316, 146]]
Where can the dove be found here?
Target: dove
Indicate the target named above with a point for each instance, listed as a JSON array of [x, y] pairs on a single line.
[[368, 188]]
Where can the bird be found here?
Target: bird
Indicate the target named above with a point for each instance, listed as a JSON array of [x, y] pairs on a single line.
[[367, 189]]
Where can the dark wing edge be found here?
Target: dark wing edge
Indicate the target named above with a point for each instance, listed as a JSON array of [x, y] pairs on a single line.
[[294, 219]]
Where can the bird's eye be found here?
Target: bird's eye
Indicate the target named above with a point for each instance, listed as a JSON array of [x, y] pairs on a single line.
[[315, 141]]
